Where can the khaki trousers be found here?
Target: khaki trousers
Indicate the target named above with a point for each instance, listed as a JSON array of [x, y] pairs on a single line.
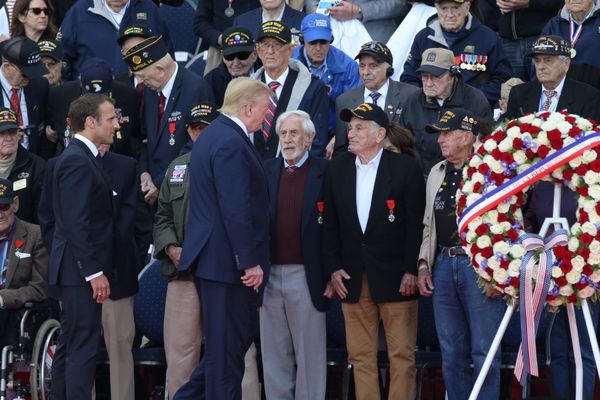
[[362, 332]]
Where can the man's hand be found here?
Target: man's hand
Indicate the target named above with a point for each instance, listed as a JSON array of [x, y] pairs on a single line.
[[174, 253], [492, 292], [329, 148], [101, 288], [329, 291], [506, 6], [408, 286], [338, 283], [425, 283], [147, 186], [51, 134], [253, 277], [344, 12]]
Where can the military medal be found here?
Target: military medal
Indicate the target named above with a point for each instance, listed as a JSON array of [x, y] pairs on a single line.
[[391, 204], [172, 133], [320, 209], [229, 10], [574, 35]]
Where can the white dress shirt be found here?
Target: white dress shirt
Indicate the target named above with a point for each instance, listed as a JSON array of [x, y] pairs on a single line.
[[555, 99], [365, 183], [280, 80], [166, 91], [382, 91]]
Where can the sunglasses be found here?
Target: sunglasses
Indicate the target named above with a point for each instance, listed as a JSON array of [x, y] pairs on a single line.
[[5, 207], [39, 10], [240, 56]]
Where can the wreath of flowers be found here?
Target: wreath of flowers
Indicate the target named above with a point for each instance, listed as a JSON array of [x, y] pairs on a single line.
[[492, 239]]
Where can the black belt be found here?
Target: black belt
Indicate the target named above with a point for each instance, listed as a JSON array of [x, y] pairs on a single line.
[[452, 251]]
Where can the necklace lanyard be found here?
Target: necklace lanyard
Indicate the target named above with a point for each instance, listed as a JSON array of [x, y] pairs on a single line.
[[574, 34]]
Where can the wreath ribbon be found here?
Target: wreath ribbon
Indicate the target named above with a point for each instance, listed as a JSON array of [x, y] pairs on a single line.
[[532, 300]]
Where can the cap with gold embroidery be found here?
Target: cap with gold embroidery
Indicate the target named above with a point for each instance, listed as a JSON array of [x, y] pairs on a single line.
[[455, 118], [145, 53], [8, 119], [237, 39], [275, 29], [7, 195], [135, 31], [378, 51], [50, 48], [204, 113], [366, 111], [550, 45]]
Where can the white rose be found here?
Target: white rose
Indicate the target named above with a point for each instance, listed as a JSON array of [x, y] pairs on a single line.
[[595, 247], [497, 167], [496, 229], [590, 228], [576, 228], [566, 291], [503, 208], [489, 145], [479, 258], [586, 292], [543, 137], [556, 272], [537, 122], [500, 275], [573, 277], [573, 244], [501, 247], [517, 250], [568, 141], [577, 262], [467, 187], [591, 177], [576, 162], [488, 159], [522, 167], [477, 177], [594, 191], [588, 156], [475, 161], [563, 127], [472, 198], [505, 226], [584, 124], [594, 259], [520, 157], [555, 117], [527, 119], [514, 132], [506, 144], [484, 241], [484, 275], [557, 174], [491, 216], [493, 263], [588, 205], [471, 235], [514, 267]]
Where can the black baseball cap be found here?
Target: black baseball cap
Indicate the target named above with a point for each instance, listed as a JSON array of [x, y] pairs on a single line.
[[135, 31], [237, 39], [7, 194], [8, 119], [452, 119], [366, 111], [25, 54], [275, 29], [203, 113], [378, 51], [50, 48], [550, 45], [96, 76]]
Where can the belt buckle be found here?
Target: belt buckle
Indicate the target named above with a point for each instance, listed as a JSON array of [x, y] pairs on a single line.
[[451, 253]]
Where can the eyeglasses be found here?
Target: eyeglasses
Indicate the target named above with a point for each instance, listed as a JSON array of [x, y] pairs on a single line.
[[39, 10], [240, 56], [275, 46], [322, 42], [5, 207]]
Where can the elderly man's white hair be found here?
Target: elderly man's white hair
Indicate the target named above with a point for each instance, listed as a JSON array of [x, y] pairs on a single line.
[[307, 125]]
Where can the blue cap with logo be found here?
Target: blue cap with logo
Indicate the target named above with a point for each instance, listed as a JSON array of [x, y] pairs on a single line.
[[316, 27], [96, 76]]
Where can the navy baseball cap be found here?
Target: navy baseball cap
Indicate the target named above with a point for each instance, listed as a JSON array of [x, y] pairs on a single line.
[[96, 76], [378, 51], [203, 113], [455, 118], [550, 45]]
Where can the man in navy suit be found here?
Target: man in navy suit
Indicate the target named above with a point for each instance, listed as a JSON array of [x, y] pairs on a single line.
[[270, 10], [295, 358], [81, 260], [227, 239], [169, 93], [24, 89]]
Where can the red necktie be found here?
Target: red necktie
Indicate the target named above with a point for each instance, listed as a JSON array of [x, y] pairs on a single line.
[[161, 108], [268, 121], [140, 91], [15, 104]]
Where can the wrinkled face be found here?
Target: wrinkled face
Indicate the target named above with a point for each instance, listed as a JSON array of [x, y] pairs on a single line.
[[35, 18], [372, 72], [363, 136], [9, 142], [271, 4], [452, 143], [14, 76], [152, 76], [54, 70], [550, 69], [438, 87], [294, 141], [239, 64], [7, 216], [452, 15], [317, 51], [579, 6], [255, 113], [274, 54], [107, 124]]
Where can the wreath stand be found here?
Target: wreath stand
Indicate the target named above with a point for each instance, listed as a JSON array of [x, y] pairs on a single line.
[[558, 222]]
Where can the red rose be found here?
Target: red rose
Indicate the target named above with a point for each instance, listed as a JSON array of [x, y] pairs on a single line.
[[544, 116], [513, 234], [502, 217], [597, 208], [475, 249], [483, 169], [572, 298], [561, 281], [583, 252], [581, 169], [557, 144], [487, 252], [583, 190], [554, 134], [543, 151], [19, 243], [585, 238], [477, 187], [570, 119], [550, 298], [511, 124], [580, 285], [574, 132], [568, 174], [514, 282], [587, 270], [497, 238], [482, 229], [470, 171], [595, 165], [497, 154], [499, 136], [529, 154], [593, 121], [481, 151], [504, 264], [507, 158], [566, 267]]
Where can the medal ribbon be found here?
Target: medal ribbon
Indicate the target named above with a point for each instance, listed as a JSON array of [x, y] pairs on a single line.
[[575, 37]]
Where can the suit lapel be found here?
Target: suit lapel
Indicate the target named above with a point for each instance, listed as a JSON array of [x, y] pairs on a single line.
[[273, 177], [349, 192], [392, 99], [13, 261], [532, 100], [567, 97], [311, 192], [175, 92], [381, 191]]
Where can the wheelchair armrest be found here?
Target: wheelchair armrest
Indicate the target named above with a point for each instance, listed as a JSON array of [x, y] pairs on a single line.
[[36, 305]]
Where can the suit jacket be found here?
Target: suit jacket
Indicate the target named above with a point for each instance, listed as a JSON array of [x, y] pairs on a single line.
[[310, 228], [386, 250], [26, 275], [36, 96], [82, 204], [127, 106], [394, 104], [228, 222], [188, 90], [253, 20], [576, 97]]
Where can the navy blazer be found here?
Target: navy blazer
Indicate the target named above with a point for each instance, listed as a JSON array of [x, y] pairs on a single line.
[[228, 223], [82, 204], [36, 97], [310, 227], [189, 90], [252, 20]]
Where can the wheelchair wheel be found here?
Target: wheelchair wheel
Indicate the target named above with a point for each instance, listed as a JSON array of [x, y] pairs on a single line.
[[42, 357]]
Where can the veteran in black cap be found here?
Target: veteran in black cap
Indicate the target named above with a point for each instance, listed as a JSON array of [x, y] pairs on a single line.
[[372, 227], [239, 56], [553, 90], [52, 58], [24, 88]]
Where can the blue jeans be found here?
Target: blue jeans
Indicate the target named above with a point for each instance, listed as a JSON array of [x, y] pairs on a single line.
[[466, 322], [563, 382], [515, 52]]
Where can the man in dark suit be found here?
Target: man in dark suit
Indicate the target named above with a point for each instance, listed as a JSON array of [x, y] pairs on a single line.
[[374, 202], [294, 86], [169, 93], [553, 91], [96, 77], [295, 358], [227, 239], [271, 10], [375, 68], [24, 89], [81, 258]]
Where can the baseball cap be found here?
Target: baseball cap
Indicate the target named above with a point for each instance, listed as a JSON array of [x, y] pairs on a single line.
[[237, 39], [203, 113], [378, 51], [275, 29], [50, 48], [6, 191], [455, 118], [146, 53], [316, 27], [135, 31], [8, 119], [436, 61], [550, 45], [25, 54], [96, 76], [366, 111]]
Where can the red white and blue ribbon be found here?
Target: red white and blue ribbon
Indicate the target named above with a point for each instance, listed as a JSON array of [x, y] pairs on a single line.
[[527, 178], [532, 300]]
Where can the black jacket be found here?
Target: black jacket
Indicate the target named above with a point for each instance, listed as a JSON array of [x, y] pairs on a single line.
[[527, 22], [27, 176], [218, 79]]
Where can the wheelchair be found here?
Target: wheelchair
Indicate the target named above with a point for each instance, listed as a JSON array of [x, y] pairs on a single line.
[[25, 372]]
